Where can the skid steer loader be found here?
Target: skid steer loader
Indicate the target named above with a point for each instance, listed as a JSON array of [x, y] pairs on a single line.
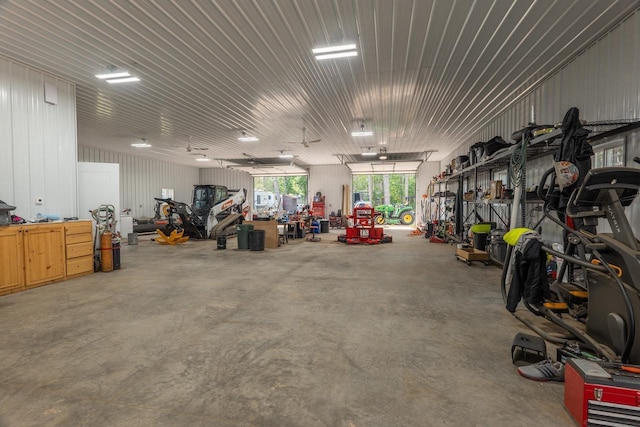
[[214, 212]]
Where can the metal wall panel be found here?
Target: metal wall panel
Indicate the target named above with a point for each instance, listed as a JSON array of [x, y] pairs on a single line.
[[143, 179], [37, 141], [328, 180], [602, 82], [233, 179]]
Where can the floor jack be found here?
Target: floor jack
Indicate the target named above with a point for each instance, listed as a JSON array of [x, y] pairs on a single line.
[[362, 229]]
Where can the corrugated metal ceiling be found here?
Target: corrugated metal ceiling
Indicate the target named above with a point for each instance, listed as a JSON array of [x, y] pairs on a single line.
[[428, 75]]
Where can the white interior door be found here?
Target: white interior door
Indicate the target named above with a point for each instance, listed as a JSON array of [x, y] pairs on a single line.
[[98, 184]]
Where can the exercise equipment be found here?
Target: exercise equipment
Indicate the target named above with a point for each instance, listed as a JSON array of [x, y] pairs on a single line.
[[604, 309]]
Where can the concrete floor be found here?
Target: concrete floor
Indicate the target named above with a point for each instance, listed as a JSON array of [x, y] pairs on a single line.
[[310, 334]]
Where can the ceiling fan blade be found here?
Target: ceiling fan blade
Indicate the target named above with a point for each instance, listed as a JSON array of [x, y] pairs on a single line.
[[315, 140], [306, 144], [198, 148]]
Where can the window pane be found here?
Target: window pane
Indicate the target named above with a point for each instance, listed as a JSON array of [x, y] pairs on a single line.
[[598, 159], [618, 156]]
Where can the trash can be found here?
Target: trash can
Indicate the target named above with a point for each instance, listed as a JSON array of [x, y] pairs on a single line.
[[497, 245], [132, 238], [242, 231], [480, 241], [222, 242], [324, 225], [256, 240]]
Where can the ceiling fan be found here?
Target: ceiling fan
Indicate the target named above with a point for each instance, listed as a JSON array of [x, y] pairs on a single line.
[[190, 148], [304, 141]]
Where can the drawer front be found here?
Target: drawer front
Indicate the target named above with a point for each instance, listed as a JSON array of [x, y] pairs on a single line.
[[80, 265], [78, 238], [80, 249], [79, 227]]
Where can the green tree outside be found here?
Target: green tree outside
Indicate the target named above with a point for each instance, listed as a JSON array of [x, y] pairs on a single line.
[[398, 183]]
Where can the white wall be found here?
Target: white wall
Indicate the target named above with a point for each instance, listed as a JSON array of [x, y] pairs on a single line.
[[328, 180], [37, 142], [143, 179], [424, 174]]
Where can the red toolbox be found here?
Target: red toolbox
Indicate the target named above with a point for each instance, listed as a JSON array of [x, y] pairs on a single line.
[[596, 395]]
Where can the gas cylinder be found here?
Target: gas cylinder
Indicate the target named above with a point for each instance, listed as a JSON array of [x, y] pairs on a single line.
[[106, 251]]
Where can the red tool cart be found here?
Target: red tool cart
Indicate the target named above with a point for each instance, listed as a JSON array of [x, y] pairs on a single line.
[[362, 229]]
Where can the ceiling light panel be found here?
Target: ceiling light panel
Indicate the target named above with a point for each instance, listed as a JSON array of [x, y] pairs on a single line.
[[329, 49], [141, 145], [202, 159], [124, 80], [248, 139], [113, 75], [362, 133], [337, 55]]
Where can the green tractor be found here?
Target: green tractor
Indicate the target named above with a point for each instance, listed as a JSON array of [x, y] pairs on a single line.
[[394, 214]]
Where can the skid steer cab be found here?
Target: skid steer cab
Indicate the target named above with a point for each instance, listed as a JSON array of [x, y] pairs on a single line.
[[214, 212]]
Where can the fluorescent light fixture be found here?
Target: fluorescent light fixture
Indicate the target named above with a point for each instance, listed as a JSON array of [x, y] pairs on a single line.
[[369, 153], [248, 139], [124, 80], [384, 157], [113, 75], [362, 133], [285, 156], [337, 55], [141, 145], [333, 48], [202, 159]]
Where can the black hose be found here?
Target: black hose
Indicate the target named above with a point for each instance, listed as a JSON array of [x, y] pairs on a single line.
[[505, 268]]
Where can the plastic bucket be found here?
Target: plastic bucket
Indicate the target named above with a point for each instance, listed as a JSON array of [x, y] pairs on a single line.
[[132, 238], [324, 226], [221, 242], [256, 240], [242, 231]]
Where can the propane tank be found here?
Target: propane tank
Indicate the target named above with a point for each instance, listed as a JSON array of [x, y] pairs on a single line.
[[106, 251]]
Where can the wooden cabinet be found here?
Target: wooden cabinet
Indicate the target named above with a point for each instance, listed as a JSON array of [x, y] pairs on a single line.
[[11, 260], [79, 248], [44, 254], [37, 254]]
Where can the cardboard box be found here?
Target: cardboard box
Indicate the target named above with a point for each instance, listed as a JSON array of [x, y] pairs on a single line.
[[469, 196], [271, 237], [471, 254], [495, 190]]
